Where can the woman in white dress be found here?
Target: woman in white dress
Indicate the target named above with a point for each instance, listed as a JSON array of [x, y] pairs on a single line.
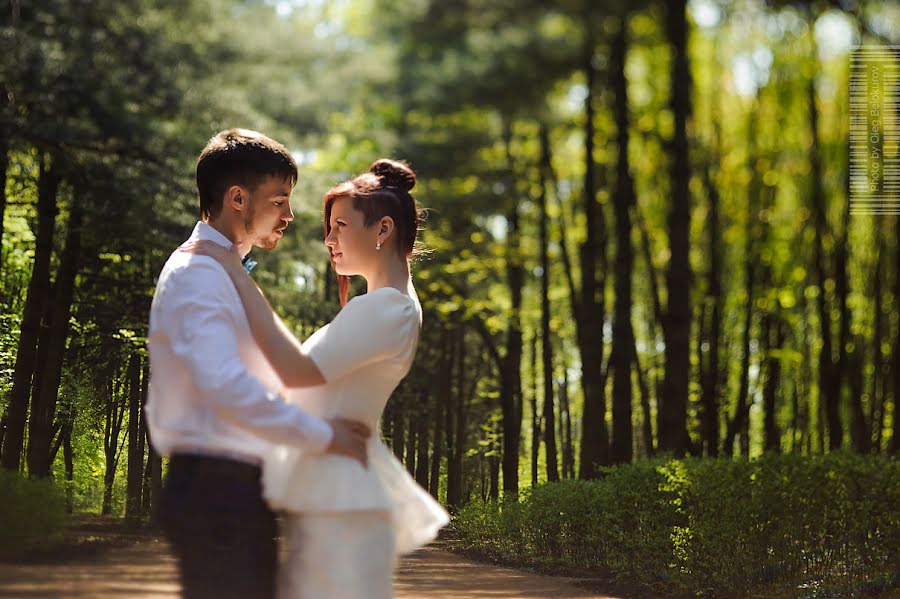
[[345, 522]]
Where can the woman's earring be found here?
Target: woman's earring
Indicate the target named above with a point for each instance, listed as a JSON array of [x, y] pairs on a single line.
[[378, 244]]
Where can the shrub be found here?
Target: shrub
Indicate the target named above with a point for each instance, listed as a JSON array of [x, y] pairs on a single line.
[[710, 526], [32, 515]]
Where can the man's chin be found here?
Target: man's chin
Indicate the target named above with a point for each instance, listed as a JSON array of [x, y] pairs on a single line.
[[267, 244]]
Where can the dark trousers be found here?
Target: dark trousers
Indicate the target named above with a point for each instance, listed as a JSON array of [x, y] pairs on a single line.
[[221, 530]]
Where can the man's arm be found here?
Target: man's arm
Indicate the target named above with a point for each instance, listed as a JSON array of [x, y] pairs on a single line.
[[199, 318]]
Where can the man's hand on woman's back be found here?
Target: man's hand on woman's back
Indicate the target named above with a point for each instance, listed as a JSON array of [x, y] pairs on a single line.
[[349, 439]]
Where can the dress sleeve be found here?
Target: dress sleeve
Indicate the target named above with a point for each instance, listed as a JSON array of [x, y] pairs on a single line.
[[373, 327]]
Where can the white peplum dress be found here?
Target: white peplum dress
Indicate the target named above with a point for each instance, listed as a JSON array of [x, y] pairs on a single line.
[[345, 523]]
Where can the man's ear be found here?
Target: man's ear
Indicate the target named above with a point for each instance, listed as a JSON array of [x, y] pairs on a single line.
[[236, 197]]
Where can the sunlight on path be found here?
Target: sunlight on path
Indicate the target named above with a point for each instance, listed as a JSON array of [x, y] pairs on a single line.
[[146, 570], [437, 574]]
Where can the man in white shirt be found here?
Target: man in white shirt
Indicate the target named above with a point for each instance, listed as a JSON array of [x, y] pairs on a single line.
[[213, 403]]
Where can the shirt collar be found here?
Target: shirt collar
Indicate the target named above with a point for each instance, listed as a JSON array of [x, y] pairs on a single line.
[[204, 231]]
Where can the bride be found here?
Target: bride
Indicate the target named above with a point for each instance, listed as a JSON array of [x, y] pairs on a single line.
[[345, 521]]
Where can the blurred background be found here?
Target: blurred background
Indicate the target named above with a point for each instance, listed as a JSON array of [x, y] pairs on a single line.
[[640, 233]]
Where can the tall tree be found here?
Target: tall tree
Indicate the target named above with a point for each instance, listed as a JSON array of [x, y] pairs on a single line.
[[592, 305], [894, 447], [35, 302], [673, 434], [712, 334], [549, 415], [535, 415], [511, 368], [829, 396], [739, 424], [52, 348], [623, 202], [114, 410], [135, 473], [4, 168]]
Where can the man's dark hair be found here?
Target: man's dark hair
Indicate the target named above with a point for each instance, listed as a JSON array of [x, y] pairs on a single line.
[[239, 157]]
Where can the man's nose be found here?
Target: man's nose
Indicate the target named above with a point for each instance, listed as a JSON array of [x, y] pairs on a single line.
[[289, 214]]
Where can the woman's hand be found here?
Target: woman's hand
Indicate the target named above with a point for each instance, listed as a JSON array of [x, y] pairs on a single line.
[[229, 259]]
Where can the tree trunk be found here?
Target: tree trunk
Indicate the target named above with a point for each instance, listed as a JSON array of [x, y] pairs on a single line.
[[443, 420], [4, 168], [493, 458], [437, 445], [623, 202], [153, 470], [398, 430], [894, 447], [535, 417], [845, 375], [774, 335], [70, 466], [829, 394], [647, 424], [711, 375], [411, 444], [455, 466], [511, 377], [568, 455], [143, 438], [115, 415], [449, 411], [652, 366], [135, 473], [52, 348], [36, 300], [859, 427], [876, 392], [422, 463], [549, 416], [804, 407], [739, 423], [589, 320], [673, 434], [3, 422], [38, 431], [574, 303]]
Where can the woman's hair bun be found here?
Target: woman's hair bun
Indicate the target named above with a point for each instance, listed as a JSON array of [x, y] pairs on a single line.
[[394, 173]]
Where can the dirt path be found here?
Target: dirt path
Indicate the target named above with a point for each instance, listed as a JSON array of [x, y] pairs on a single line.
[[146, 570]]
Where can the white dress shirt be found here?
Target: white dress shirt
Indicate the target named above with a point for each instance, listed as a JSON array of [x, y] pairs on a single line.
[[212, 391]]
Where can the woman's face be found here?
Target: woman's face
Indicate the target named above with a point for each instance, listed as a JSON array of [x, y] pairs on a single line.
[[352, 244]]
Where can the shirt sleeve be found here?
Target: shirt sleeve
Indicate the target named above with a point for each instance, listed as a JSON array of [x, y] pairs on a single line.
[[202, 315], [378, 325]]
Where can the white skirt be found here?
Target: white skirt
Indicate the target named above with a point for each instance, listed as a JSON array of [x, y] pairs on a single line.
[[302, 484], [337, 556]]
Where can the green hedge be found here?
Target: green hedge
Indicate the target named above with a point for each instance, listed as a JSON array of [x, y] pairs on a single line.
[[709, 526], [32, 514]]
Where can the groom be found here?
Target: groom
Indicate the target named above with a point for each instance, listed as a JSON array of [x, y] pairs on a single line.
[[213, 405]]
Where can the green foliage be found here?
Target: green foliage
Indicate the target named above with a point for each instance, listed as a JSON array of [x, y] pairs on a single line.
[[33, 514], [709, 526]]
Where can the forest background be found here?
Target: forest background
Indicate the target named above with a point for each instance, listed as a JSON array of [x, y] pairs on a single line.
[[643, 261]]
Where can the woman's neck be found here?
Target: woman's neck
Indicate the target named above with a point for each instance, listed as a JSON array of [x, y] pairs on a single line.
[[390, 273]]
